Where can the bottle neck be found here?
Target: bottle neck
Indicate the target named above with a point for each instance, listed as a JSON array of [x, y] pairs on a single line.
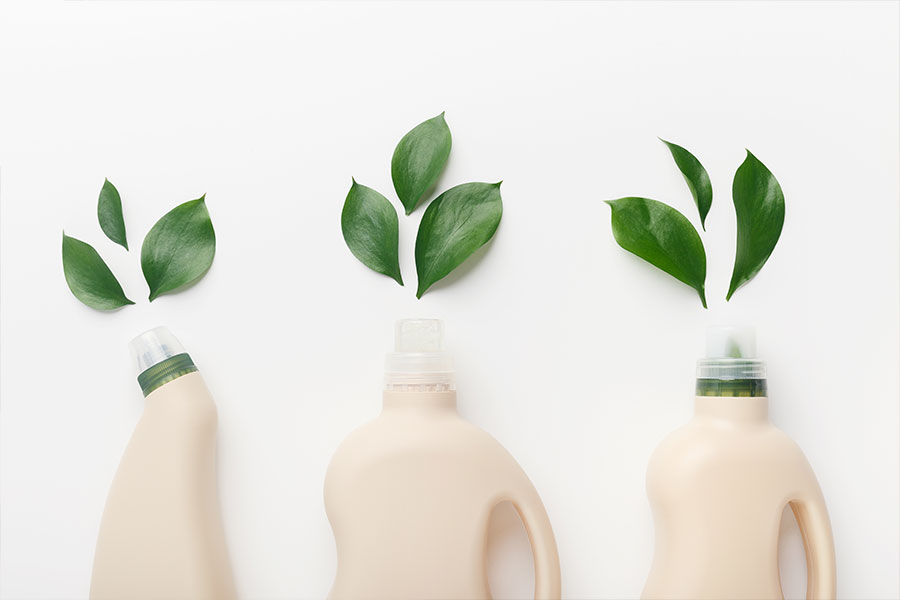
[[744, 409], [419, 401], [165, 371]]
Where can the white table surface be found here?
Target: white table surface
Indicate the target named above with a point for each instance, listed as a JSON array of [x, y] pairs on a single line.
[[578, 357]]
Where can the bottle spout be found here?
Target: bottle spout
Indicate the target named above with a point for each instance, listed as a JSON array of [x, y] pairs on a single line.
[[731, 367], [419, 361], [153, 347]]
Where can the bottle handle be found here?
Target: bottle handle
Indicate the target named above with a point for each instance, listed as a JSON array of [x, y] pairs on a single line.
[[815, 527], [547, 581]]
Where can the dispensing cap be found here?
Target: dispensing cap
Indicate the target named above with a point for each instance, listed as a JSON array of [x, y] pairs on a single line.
[[730, 354], [419, 358], [154, 346], [160, 358]]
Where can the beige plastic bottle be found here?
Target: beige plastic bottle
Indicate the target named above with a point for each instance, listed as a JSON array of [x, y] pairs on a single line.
[[161, 534], [718, 487], [409, 495]]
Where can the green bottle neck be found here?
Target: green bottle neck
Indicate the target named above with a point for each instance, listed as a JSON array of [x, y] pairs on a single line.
[[739, 388], [163, 372]]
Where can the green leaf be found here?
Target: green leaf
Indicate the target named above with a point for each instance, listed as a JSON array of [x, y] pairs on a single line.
[[663, 237], [419, 159], [179, 249], [372, 231], [455, 225], [759, 206], [109, 213], [696, 177], [89, 278]]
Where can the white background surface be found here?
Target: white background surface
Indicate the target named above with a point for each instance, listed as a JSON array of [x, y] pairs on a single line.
[[578, 357]]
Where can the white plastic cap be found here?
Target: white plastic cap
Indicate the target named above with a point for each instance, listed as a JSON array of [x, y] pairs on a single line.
[[730, 354], [419, 358], [154, 346]]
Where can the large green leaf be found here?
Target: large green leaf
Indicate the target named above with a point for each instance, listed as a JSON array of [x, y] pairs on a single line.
[[759, 206], [663, 237], [179, 249], [696, 177], [419, 159], [372, 231], [89, 278], [109, 213], [455, 225]]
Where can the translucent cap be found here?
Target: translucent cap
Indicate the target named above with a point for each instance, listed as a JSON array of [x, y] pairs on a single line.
[[154, 346], [419, 358], [730, 354]]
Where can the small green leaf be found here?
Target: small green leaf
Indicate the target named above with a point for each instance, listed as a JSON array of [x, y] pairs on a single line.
[[179, 249], [663, 237], [89, 278], [455, 225], [696, 177], [759, 206], [109, 213], [419, 159], [372, 231]]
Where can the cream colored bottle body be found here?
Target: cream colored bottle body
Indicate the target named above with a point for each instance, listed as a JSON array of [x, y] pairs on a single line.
[[410, 494], [161, 534], [718, 487]]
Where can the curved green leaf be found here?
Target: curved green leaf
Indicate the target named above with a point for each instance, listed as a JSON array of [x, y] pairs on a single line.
[[759, 206], [419, 159], [696, 177], [109, 213], [372, 231], [179, 249], [663, 237], [89, 278], [455, 225]]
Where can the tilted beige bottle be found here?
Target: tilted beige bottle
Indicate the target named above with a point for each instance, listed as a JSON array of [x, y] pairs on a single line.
[[161, 534], [718, 487], [409, 495]]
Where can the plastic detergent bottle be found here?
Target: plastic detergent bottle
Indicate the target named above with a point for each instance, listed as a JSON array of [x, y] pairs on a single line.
[[718, 487], [409, 495], [161, 534]]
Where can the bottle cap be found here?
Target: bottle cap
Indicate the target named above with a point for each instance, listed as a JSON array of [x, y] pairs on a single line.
[[419, 358], [731, 354], [154, 346]]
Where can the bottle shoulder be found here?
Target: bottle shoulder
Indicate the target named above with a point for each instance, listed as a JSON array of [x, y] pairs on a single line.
[[183, 402], [706, 451], [440, 447]]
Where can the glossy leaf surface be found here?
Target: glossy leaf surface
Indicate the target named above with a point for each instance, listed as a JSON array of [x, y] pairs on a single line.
[[759, 207], [663, 237], [455, 225], [371, 230], [179, 249], [89, 278], [696, 177], [419, 159]]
